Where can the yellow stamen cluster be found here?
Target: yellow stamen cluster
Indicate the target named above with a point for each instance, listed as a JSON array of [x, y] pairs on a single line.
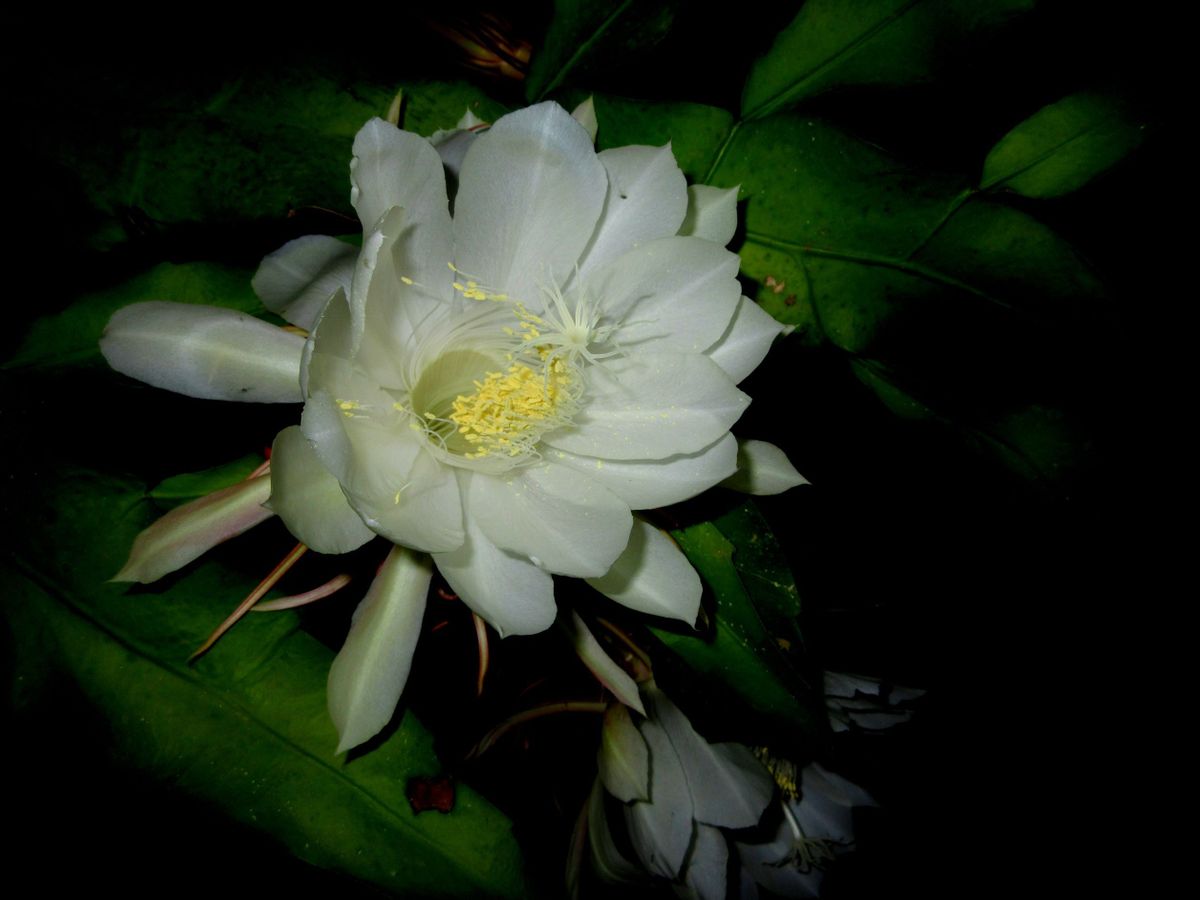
[[510, 410]]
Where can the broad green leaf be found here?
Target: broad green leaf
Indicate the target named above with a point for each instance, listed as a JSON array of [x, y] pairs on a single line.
[[1062, 147], [242, 151], [696, 132], [833, 43], [72, 337], [846, 240], [1040, 443], [754, 649], [586, 37], [179, 489], [246, 729]]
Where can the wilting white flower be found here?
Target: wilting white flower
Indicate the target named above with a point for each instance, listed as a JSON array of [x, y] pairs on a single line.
[[499, 387], [695, 813]]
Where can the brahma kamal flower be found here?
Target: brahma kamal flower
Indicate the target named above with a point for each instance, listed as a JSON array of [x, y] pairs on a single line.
[[495, 382]]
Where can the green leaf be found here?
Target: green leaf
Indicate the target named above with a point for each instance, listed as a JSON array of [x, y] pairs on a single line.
[[586, 37], [246, 729], [179, 489], [1062, 147], [832, 43], [1040, 443], [246, 150], [755, 648], [72, 337], [849, 243], [696, 132]]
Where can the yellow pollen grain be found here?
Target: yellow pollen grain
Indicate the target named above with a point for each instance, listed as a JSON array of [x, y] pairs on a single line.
[[507, 409]]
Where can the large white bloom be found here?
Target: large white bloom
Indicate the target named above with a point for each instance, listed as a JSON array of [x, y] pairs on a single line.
[[499, 388]]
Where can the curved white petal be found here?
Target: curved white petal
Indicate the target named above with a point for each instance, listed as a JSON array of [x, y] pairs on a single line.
[[619, 682], [309, 499], [661, 830], [529, 195], [646, 199], [368, 674], [513, 594], [729, 787], [623, 758], [708, 865], [672, 293], [396, 168], [652, 576], [298, 279], [763, 469], [746, 341], [397, 488], [188, 531], [564, 522], [387, 305], [652, 406], [607, 859], [651, 483], [204, 351], [711, 213]]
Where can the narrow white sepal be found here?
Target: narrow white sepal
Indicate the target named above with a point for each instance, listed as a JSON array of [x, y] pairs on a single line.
[[204, 351], [369, 673], [711, 213], [189, 531], [623, 758], [619, 682], [763, 469], [652, 576], [585, 115], [297, 280]]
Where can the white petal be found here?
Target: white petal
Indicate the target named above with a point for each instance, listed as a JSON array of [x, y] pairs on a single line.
[[309, 499], [674, 292], [652, 576], [610, 864], [763, 469], [529, 195], [623, 758], [585, 115], [711, 213], [204, 351], [369, 672], [395, 168], [398, 488], [513, 594], [746, 341], [387, 306], [619, 683], [729, 787], [566, 523], [646, 199], [708, 865], [772, 866], [651, 483], [298, 279], [661, 830], [652, 406], [188, 531]]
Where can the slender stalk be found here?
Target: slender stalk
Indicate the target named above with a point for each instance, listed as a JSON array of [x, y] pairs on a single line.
[[332, 586], [255, 595], [481, 636], [538, 712]]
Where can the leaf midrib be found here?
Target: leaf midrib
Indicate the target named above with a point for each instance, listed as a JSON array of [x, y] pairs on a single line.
[[1040, 158], [782, 97], [62, 596], [583, 49]]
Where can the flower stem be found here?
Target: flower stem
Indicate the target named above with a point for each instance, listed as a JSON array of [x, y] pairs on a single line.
[[538, 712], [332, 586], [255, 595], [481, 636]]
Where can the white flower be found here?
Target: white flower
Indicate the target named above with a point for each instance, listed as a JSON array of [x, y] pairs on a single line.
[[499, 388]]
